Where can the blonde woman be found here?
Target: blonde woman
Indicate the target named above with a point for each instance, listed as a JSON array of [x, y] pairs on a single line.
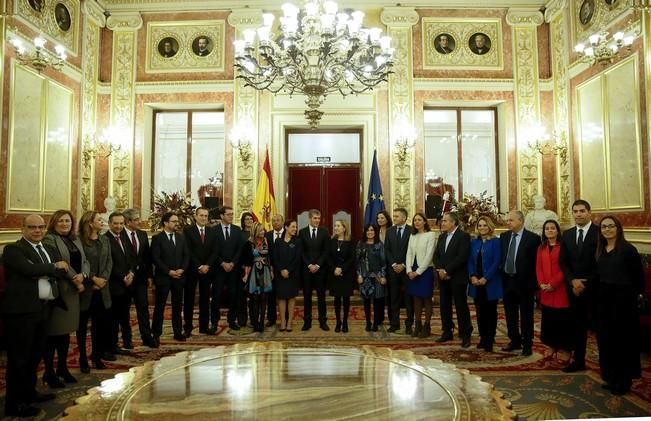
[[258, 274], [341, 257]]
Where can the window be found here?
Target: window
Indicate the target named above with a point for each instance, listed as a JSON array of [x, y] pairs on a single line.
[[461, 150], [188, 151]]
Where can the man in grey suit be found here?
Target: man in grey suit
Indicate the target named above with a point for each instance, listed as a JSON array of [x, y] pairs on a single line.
[[395, 246]]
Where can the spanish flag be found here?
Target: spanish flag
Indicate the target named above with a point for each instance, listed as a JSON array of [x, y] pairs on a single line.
[[264, 205]]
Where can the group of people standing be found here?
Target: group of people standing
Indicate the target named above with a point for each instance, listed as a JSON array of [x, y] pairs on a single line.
[[59, 278]]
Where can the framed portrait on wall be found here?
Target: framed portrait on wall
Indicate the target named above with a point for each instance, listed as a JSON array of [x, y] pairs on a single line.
[[444, 43], [36, 5], [586, 12], [202, 45], [62, 17], [479, 43], [168, 47]]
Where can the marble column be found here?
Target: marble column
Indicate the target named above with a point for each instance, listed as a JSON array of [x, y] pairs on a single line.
[[557, 15], [125, 28], [245, 112], [524, 23], [399, 21], [94, 19]]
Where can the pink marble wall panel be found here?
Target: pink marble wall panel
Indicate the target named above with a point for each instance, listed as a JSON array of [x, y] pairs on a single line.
[[105, 55], [544, 52], [101, 181], [507, 41], [549, 175]]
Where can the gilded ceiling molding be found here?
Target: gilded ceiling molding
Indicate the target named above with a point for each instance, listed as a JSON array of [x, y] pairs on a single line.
[[399, 22], [94, 19], [527, 100], [557, 16], [123, 77], [245, 110]]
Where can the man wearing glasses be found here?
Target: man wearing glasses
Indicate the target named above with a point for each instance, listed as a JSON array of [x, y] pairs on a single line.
[[31, 272], [577, 259]]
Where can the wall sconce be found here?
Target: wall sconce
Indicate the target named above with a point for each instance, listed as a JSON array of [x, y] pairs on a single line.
[[103, 146], [404, 135], [39, 58], [547, 144], [240, 136], [602, 49]]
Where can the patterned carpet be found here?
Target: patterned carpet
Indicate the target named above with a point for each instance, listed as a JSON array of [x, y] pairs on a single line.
[[535, 385]]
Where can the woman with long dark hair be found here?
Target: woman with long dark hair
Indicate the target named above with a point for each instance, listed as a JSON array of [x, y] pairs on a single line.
[[341, 257], [287, 266], [96, 299], [383, 222], [420, 271], [371, 275], [556, 321], [64, 321], [621, 279]]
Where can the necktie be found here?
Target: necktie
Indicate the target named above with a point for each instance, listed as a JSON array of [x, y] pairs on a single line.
[[228, 235], [277, 235], [117, 238], [134, 243], [42, 254], [579, 242], [399, 233], [202, 234], [172, 239], [510, 255], [313, 233], [44, 258]]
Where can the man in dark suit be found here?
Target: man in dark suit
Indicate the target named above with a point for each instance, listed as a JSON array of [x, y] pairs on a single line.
[[451, 263], [202, 245], [171, 259], [578, 248], [143, 277], [519, 248], [314, 241], [229, 249], [395, 246], [120, 282], [31, 270], [277, 223]]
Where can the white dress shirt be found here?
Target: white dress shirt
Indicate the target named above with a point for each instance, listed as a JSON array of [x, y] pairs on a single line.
[[44, 286]]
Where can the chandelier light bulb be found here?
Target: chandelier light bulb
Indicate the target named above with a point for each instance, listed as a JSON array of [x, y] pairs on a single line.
[[618, 36], [330, 7], [327, 22], [614, 48], [589, 51], [16, 43], [290, 10], [385, 43], [594, 39], [239, 46], [39, 42], [263, 33], [353, 27], [311, 8], [628, 41], [579, 48], [268, 19], [375, 34], [60, 50], [249, 36], [358, 16]]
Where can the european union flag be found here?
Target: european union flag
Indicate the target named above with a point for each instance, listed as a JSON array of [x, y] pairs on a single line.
[[375, 198]]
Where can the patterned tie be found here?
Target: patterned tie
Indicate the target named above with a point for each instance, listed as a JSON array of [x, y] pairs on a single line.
[[202, 234], [42, 254], [510, 255], [579, 242], [134, 243]]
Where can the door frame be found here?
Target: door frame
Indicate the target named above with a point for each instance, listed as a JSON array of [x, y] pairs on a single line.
[[360, 165]]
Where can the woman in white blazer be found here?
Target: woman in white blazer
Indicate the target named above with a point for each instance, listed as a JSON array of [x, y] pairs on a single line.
[[420, 271]]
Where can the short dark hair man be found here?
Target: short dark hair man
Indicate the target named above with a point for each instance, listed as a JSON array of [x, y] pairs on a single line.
[[314, 241]]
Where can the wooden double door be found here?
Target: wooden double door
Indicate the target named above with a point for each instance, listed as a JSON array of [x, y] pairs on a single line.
[[334, 190]]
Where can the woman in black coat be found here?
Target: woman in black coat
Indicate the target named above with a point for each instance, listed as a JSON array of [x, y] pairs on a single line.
[[287, 273], [341, 258], [621, 278]]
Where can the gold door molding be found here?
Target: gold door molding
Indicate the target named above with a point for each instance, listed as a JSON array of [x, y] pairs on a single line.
[[524, 24], [399, 22]]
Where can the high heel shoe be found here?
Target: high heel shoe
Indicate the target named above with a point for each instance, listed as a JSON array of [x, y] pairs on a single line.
[[53, 381], [99, 365], [66, 376]]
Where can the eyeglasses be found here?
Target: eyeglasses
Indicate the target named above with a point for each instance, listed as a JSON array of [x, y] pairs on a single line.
[[174, 221], [608, 226], [36, 227]]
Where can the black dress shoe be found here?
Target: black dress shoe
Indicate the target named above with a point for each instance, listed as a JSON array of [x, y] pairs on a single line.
[[148, 341], [204, 331], [108, 356], [22, 410], [444, 338], [392, 329], [607, 386], [83, 366], [338, 327], [465, 342], [408, 330], [573, 367], [234, 326], [187, 333], [121, 351], [270, 323], [324, 326], [53, 381], [374, 327], [66, 376], [155, 342], [213, 329], [42, 397], [344, 327], [526, 351], [128, 344], [179, 338], [99, 365], [306, 326], [511, 347]]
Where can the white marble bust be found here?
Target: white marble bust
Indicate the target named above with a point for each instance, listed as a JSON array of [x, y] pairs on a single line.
[[536, 218], [109, 205]]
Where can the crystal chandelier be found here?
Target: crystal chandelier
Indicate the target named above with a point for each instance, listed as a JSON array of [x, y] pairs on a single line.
[[320, 51], [603, 50], [40, 58]]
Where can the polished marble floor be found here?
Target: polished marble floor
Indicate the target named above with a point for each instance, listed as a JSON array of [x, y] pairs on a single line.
[[275, 381]]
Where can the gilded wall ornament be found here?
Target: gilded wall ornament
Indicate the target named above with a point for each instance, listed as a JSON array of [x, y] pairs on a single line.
[[462, 43], [591, 16], [190, 46], [57, 20]]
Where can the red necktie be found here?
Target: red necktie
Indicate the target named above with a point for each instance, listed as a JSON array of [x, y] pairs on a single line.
[[117, 238], [202, 234], [134, 243]]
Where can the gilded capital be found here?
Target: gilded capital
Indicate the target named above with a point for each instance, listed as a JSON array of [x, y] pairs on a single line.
[[524, 17], [94, 12], [242, 19], [124, 21], [398, 16], [553, 8]]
